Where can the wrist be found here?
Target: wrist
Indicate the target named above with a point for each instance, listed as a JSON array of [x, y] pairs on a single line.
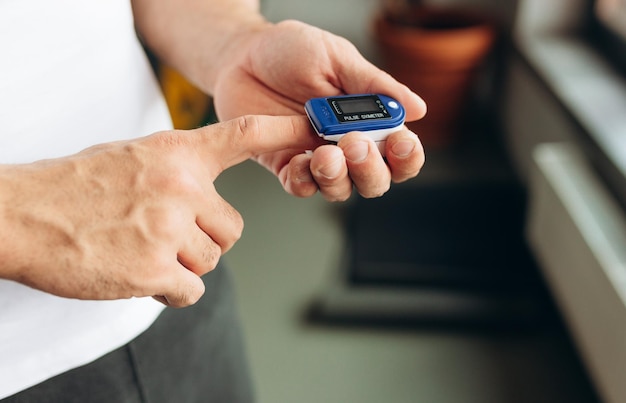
[[8, 245], [197, 38], [229, 51]]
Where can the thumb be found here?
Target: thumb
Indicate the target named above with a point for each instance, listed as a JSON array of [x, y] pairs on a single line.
[[383, 83], [361, 76], [232, 142]]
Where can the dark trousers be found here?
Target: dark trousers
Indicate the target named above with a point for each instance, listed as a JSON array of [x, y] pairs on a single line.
[[194, 354]]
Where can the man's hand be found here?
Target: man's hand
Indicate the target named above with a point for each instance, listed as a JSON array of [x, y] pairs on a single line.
[[134, 218], [253, 67], [277, 69]]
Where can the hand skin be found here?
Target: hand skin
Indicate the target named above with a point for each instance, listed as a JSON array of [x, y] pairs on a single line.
[[253, 67], [134, 218]]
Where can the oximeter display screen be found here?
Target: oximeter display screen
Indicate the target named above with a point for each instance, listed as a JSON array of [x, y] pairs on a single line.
[[358, 105], [358, 108]]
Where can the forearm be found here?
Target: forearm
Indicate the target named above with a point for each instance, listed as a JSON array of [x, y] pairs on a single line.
[[19, 230], [7, 248], [195, 36]]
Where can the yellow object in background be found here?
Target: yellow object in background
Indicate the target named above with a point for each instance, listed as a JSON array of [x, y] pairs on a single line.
[[189, 107]]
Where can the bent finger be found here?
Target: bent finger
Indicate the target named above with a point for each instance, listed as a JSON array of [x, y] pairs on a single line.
[[220, 221], [405, 155], [182, 289], [296, 176], [329, 169], [199, 252], [368, 170]]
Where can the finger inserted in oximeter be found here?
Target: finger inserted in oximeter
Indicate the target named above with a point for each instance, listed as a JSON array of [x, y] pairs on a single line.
[[373, 114]]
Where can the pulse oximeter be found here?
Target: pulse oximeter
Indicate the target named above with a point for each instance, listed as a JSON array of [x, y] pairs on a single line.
[[373, 114]]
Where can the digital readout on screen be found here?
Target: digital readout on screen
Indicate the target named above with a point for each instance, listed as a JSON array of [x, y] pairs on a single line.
[[360, 105]]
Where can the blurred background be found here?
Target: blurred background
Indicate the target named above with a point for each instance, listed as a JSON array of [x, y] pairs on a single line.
[[497, 275]]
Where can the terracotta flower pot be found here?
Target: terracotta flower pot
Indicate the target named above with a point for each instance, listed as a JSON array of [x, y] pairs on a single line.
[[437, 54]]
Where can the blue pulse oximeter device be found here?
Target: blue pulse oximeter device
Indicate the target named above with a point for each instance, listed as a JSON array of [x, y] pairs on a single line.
[[373, 114]]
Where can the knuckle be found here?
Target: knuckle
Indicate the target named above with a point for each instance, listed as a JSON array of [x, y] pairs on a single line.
[[211, 255], [248, 126], [175, 180], [335, 196], [407, 170], [237, 225], [374, 192], [185, 296], [405, 175], [162, 224], [341, 198], [185, 293]]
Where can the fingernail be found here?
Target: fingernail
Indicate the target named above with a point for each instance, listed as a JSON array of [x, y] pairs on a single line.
[[332, 170], [304, 176], [357, 152], [403, 148]]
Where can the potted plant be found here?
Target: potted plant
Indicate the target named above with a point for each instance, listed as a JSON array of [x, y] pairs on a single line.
[[437, 52]]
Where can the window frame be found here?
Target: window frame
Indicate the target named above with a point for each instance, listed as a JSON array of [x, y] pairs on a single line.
[[554, 40]]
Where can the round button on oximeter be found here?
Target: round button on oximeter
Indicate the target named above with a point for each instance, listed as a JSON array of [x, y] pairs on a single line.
[[373, 114]]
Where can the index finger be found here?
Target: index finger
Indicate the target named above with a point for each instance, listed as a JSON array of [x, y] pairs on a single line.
[[234, 141]]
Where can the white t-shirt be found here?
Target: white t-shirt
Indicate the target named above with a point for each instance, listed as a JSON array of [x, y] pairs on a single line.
[[72, 74]]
